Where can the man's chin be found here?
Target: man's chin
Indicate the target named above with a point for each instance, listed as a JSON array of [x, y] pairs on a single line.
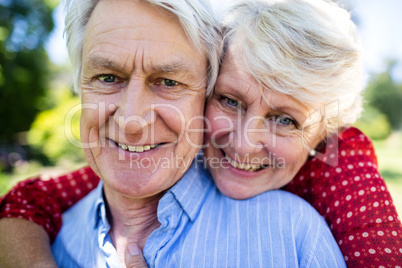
[[137, 184]]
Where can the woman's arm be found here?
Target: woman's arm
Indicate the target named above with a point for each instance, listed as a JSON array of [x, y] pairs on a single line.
[[354, 200], [44, 201], [24, 244], [31, 216]]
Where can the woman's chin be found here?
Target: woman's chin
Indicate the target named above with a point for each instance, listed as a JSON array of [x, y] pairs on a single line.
[[234, 190]]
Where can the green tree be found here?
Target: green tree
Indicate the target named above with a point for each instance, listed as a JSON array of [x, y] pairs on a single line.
[[374, 123], [55, 132], [24, 28], [384, 94]]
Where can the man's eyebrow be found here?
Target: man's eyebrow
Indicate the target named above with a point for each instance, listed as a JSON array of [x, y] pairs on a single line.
[[177, 67], [173, 67], [103, 63]]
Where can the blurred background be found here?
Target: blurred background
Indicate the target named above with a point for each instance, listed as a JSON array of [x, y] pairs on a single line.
[[36, 90]]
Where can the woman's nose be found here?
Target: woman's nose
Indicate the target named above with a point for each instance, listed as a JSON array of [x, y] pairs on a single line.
[[250, 136]]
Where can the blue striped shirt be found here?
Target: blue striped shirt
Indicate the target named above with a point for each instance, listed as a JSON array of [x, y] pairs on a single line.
[[200, 227]]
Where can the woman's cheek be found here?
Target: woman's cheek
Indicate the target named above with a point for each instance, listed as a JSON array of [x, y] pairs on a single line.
[[217, 123], [289, 151]]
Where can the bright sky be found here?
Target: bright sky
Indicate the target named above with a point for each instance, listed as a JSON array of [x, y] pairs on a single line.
[[381, 33], [379, 24]]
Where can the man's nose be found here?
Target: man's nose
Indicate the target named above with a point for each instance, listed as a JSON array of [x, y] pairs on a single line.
[[135, 109], [250, 136]]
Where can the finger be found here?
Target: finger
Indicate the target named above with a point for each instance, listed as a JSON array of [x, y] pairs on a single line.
[[133, 257]]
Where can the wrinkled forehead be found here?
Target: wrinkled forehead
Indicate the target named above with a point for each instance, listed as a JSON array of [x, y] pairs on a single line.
[[118, 16], [136, 33], [234, 63], [232, 54]]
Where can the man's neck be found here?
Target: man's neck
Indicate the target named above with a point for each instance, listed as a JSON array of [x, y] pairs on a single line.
[[131, 220]]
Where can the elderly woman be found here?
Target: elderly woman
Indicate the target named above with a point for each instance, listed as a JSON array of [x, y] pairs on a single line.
[[284, 89], [289, 83]]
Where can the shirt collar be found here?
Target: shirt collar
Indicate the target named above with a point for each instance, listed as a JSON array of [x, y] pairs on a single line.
[[99, 207], [191, 190]]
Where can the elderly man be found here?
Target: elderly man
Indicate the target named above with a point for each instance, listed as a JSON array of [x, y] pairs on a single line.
[[144, 67], [142, 84]]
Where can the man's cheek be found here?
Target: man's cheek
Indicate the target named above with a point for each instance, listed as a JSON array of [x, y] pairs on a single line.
[[89, 127], [195, 130]]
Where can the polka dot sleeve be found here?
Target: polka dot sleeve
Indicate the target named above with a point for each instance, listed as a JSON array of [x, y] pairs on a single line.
[[43, 201], [354, 200]]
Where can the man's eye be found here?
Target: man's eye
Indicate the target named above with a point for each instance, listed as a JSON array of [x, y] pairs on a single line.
[[169, 82], [231, 102], [107, 78]]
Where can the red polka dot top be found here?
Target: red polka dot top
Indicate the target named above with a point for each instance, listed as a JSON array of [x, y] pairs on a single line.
[[342, 183]]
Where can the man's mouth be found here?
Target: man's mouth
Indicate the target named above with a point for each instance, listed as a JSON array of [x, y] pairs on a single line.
[[136, 149], [244, 166]]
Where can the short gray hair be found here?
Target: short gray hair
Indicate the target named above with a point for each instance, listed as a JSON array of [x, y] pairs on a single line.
[[195, 16], [304, 48]]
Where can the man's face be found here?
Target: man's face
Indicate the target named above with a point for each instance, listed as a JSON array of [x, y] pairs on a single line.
[[143, 91]]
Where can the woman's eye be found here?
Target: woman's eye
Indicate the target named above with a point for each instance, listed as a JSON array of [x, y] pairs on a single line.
[[283, 120], [107, 78], [231, 102], [169, 82], [286, 121]]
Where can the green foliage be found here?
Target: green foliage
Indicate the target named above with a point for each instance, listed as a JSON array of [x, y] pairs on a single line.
[[55, 132], [24, 28], [374, 124], [386, 96]]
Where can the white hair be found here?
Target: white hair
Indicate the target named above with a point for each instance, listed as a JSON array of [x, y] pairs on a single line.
[[304, 48], [195, 16]]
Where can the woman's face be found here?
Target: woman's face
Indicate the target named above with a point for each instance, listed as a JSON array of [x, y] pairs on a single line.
[[255, 140]]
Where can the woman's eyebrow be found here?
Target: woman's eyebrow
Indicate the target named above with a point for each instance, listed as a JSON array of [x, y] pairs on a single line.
[[288, 105]]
